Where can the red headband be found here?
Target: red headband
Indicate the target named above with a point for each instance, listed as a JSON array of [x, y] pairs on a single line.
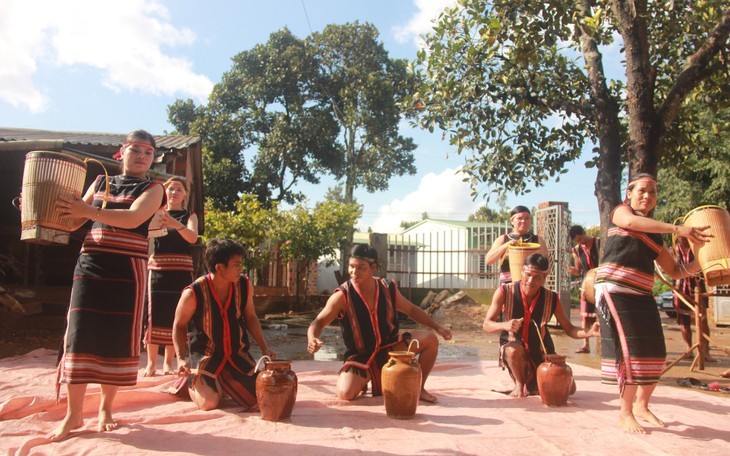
[[142, 145], [646, 178]]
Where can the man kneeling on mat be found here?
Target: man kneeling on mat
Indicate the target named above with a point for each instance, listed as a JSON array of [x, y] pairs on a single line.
[[518, 309]]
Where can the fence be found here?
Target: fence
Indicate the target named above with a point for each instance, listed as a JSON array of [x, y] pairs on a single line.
[[453, 255]]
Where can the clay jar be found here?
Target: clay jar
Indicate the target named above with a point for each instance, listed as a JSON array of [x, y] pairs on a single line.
[[401, 384], [276, 390], [554, 380]]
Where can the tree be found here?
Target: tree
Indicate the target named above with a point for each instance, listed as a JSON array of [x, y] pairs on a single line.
[[364, 86], [250, 223], [308, 235], [487, 215], [268, 100], [700, 174], [522, 84]]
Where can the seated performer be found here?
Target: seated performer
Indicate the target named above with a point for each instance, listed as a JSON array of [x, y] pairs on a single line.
[[211, 319], [367, 307], [515, 306]]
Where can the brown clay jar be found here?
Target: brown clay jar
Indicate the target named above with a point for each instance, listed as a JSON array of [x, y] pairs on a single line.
[[276, 390], [554, 380], [401, 384]]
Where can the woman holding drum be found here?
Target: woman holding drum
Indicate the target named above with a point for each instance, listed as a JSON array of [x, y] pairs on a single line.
[[171, 270], [521, 221], [633, 349], [102, 340]]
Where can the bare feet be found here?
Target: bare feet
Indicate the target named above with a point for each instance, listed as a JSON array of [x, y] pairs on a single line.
[[646, 415], [583, 350], [725, 374], [148, 371], [519, 391], [168, 370], [428, 397], [629, 424], [106, 422], [66, 426]]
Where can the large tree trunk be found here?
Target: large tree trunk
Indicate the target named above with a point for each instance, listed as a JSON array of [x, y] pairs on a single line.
[[608, 126]]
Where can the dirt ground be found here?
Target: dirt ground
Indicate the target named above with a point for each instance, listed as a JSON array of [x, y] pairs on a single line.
[[287, 335]]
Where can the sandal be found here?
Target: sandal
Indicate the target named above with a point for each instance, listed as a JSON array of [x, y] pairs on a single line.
[[583, 350]]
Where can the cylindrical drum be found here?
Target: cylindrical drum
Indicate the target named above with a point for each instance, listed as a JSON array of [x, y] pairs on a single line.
[[46, 176], [588, 286], [713, 255], [401, 385], [517, 255], [276, 390], [554, 380]]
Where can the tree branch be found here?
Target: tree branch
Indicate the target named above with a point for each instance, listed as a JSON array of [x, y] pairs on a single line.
[[695, 70]]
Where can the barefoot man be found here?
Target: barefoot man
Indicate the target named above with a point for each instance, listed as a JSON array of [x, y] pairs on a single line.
[[367, 307], [515, 311]]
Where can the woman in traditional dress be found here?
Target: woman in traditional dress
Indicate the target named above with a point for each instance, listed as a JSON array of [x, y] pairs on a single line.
[[633, 349], [521, 221], [171, 269], [102, 340]]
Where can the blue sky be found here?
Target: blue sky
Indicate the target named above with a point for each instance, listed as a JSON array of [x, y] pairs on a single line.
[[115, 66]]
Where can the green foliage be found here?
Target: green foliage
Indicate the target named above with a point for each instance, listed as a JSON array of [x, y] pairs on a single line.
[[364, 86], [521, 86], [488, 215], [303, 109], [310, 234], [250, 223]]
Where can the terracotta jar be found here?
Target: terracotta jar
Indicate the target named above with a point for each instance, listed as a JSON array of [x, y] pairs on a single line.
[[401, 384], [554, 380], [276, 390]]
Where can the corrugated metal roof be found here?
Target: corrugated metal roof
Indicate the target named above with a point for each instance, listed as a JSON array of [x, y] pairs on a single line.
[[172, 142]]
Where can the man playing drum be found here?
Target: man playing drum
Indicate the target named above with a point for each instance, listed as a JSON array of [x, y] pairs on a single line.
[[585, 258]]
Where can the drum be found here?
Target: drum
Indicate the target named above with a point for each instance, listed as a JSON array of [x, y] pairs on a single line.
[[714, 255], [517, 255], [588, 282], [46, 176]]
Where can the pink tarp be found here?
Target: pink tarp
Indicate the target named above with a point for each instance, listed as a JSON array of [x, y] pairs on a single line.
[[469, 418]]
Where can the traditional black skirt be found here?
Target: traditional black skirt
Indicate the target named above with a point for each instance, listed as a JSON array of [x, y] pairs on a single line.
[[633, 349]]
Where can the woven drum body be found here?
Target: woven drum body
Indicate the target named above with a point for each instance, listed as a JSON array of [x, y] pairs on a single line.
[[713, 255], [588, 286], [517, 255], [46, 176]]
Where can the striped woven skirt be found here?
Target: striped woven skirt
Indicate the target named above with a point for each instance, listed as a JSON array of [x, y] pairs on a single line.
[[102, 340], [165, 288], [633, 349]]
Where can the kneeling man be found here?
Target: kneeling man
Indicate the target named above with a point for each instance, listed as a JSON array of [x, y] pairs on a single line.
[[367, 307], [515, 311], [212, 318]]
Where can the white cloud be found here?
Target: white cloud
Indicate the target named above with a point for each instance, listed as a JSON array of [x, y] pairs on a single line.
[[129, 41], [423, 21], [443, 196]]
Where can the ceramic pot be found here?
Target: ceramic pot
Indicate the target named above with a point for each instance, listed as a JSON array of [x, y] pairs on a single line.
[[276, 390], [401, 384], [554, 380]]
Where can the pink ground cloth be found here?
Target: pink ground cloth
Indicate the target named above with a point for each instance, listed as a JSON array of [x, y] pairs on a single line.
[[469, 418]]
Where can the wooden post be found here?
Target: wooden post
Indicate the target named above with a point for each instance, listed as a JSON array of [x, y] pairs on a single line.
[[379, 242]]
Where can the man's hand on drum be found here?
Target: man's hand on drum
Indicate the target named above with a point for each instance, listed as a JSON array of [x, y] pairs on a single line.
[[70, 207]]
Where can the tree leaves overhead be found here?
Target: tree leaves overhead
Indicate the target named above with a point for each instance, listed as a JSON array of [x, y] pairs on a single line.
[[300, 109], [522, 87]]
